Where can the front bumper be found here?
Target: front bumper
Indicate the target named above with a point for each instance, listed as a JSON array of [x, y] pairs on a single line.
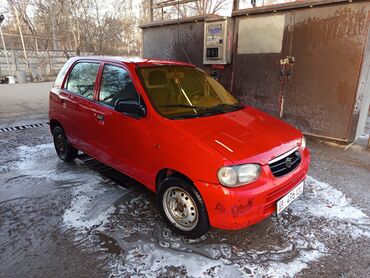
[[237, 208]]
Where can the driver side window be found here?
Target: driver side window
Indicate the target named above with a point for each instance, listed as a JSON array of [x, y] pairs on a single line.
[[116, 84], [81, 80]]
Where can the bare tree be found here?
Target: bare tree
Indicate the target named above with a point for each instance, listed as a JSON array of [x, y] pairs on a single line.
[[81, 25], [170, 9], [93, 26], [211, 6], [20, 6]]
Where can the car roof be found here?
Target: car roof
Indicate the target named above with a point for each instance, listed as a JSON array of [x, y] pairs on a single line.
[[133, 60]]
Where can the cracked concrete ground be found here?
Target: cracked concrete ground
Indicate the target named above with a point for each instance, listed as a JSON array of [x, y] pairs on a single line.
[[83, 219]]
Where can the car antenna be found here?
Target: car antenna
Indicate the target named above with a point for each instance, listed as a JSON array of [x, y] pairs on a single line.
[[178, 31], [187, 57]]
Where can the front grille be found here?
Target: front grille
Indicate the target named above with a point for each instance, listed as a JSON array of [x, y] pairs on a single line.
[[279, 192], [285, 163]]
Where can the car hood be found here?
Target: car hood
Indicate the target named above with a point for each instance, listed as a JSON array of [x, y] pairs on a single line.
[[243, 136]]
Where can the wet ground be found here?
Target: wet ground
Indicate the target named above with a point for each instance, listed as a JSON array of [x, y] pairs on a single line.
[[82, 219]]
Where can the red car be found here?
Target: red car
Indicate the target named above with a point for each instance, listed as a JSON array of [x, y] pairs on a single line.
[[212, 160]]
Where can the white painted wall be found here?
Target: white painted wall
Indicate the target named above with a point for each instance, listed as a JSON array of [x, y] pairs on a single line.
[[363, 100]]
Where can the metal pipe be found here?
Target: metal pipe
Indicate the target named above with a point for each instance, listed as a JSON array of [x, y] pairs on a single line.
[[5, 51], [151, 10], [4, 46], [23, 45]]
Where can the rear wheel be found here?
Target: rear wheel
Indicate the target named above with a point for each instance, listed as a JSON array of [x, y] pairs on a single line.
[[64, 149], [182, 207]]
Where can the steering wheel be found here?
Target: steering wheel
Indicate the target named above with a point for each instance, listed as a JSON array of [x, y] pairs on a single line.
[[85, 90], [195, 96], [108, 97]]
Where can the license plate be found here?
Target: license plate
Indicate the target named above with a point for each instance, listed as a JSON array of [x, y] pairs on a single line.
[[284, 202]]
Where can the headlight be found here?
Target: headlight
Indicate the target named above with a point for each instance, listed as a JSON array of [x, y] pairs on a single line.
[[303, 143], [227, 176], [239, 175], [248, 173]]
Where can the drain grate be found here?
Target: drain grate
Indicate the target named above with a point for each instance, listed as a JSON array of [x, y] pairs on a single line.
[[20, 127]]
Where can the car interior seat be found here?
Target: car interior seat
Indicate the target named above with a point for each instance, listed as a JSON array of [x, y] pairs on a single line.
[[159, 87]]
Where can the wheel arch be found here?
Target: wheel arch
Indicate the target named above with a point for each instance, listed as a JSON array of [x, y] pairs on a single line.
[[53, 123], [203, 223], [168, 172]]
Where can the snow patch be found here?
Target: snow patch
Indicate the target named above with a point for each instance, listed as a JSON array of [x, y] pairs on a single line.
[[151, 260], [92, 200], [41, 161], [280, 269], [91, 206], [321, 199]]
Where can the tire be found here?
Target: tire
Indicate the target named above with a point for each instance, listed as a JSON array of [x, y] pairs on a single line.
[[64, 149], [182, 207]]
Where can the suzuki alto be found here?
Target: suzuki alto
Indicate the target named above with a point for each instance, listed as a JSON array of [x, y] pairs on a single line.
[[212, 160]]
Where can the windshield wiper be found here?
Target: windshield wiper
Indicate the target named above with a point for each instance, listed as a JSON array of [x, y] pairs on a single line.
[[191, 116], [221, 108], [206, 111], [184, 106], [226, 106]]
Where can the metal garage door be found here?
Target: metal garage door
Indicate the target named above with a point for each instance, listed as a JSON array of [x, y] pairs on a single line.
[[327, 44]]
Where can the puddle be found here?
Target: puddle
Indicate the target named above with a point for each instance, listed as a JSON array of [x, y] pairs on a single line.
[[109, 244]]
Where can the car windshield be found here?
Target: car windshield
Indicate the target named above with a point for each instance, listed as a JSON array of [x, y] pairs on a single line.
[[179, 92]]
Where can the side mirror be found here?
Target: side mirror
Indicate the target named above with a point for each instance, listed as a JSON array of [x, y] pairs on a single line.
[[130, 107]]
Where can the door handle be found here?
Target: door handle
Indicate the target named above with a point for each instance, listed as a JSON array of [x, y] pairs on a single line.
[[64, 103], [100, 117]]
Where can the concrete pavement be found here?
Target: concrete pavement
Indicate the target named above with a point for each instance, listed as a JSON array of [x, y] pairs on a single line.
[[24, 103]]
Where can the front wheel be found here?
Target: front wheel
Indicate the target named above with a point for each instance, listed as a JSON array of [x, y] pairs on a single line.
[[182, 207], [64, 149]]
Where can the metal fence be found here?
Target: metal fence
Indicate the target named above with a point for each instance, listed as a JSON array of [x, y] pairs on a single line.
[[43, 65], [42, 57]]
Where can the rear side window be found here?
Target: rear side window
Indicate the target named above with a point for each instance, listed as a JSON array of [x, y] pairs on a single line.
[[116, 84], [81, 79], [58, 82]]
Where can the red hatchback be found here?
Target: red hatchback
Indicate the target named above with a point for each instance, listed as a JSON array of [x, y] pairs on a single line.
[[212, 160]]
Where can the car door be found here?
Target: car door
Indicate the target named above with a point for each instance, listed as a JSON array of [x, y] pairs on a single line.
[[123, 140], [79, 91]]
